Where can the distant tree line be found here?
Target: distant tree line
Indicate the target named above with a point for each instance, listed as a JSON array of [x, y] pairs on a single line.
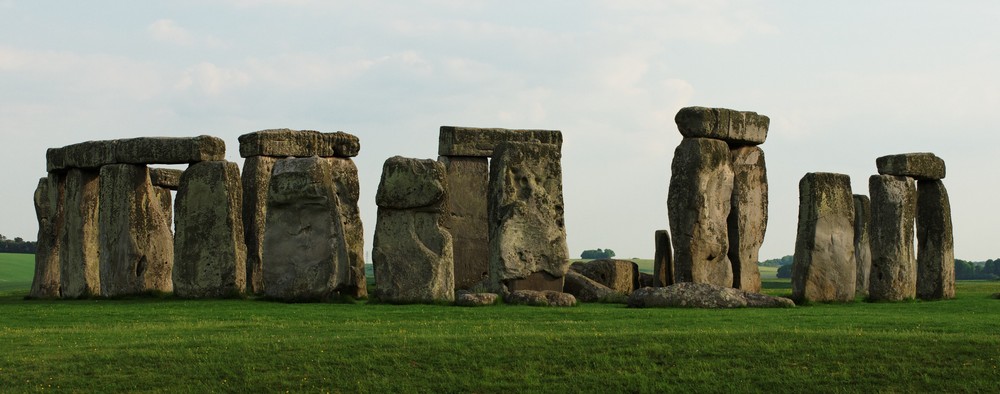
[[964, 270], [787, 260], [17, 245], [597, 254]]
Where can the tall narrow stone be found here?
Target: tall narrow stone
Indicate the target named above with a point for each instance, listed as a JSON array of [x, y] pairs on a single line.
[[698, 204], [81, 275], [209, 250], [348, 187], [894, 269], [663, 259], [413, 255], [136, 246], [935, 244], [256, 180], [824, 267], [747, 220], [862, 248], [468, 181], [527, 227], [48, 209]]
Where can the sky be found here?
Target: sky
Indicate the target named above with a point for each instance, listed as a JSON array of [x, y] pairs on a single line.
[[842, 82]]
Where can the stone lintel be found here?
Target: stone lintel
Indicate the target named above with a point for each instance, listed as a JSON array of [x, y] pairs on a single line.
[[480, 142]]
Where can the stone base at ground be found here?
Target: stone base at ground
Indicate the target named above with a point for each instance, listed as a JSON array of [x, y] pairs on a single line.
[[540, 298], [703, 295], [475, 299]]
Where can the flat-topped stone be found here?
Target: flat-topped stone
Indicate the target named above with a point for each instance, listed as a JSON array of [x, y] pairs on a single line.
[[480, 142], [921, 166], [734, 127], [298, 143], [166, 178], [144, 150]]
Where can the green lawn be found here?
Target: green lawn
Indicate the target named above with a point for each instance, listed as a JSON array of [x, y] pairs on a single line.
[[16, 271]]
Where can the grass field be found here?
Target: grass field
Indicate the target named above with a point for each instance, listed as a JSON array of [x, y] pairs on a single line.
[[16, 271], [160, 345]]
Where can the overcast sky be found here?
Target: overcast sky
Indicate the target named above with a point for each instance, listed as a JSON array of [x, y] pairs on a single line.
[[843, 83]]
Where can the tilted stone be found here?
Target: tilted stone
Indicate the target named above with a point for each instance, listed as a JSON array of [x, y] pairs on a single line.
[[663, 260], [305, 255], [136, 245], [540, 298], [298, 143], [698, 204], [144, 150], [411, 184], [80, 260], [703, 295], [526, 215], [209, 248], [586, 289], [481, 142], [824, 268], [935, 242], [48, 210], [747, 220], [348, 187], [166, 178], [893, 274], [256, 180], [621, 276], [412, 257], [921, 166], [862, 248], [734, 127], [468, 186]]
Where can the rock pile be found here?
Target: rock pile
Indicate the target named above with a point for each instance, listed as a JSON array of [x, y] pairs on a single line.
[[703, 295]]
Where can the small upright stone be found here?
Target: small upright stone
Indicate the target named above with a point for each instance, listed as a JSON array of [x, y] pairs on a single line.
[[256, 181], [894, 269], [921, 166], [663, 259], [935, 243], [734, 127], [824, 267], [80, 260], [748, 216], [48, 210], [862, 248], [467, 219]]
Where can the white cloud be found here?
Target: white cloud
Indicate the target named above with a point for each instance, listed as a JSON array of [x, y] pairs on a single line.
[[211, 79], [168, 31]]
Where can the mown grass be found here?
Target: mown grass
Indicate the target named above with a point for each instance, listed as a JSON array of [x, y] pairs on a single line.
[[161, 345], [16, 271]]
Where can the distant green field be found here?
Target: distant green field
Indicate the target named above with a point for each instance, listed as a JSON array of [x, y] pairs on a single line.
[[16, 271]]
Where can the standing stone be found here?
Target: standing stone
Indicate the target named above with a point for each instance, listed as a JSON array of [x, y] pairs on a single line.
[[527, 227], [413, 256], [738, 128], [663, 260], [862, 248], [48, 209], [698, 203], [305, 255], [81, 275], [348, 187], [209, 250], [136, 246], [468, 184], [748, 216], [894, 269], [935, 245], [256, 180], [824, 267]]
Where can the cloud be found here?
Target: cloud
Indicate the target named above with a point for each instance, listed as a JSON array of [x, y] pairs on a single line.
[[212, 80], [168, 31]]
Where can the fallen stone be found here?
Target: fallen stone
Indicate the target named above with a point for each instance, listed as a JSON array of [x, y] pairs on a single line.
[[663, 260], [348, 187], [481, 142], [621, 276], [824, 268], [734, 127], [298, 143], [747, 220], [540, 298], [412, 257], [703, 295], [894, 268], [586, 289], [935, 242], [412, 184], [698, 204], [475, 299], [209, 246], [80, 261], [166, 178], [256, 180], [48, 210], [468, 186], [862, 248], [921, 166]]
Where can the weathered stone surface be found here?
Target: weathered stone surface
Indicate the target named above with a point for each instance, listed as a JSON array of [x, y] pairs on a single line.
[[527, 227], [48, 210], [475, 299], [144, 150], [298, 143], [468, 186], [663, 260], [894, 269], [734, 127], [698, 203], [80, 261], [747, 220], [921, 166], [540, 281], [703, 295], [167, 178], [305, 255], [586, 289], [136, 246], [622, 276], [824, 267], [411, 184], [412, 257], [166, 202], [256, 180], [481, 142], [209, 248], [348, 187], [935, 242], [648, 280], [540, 298], [862, 249], [88, 155]]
